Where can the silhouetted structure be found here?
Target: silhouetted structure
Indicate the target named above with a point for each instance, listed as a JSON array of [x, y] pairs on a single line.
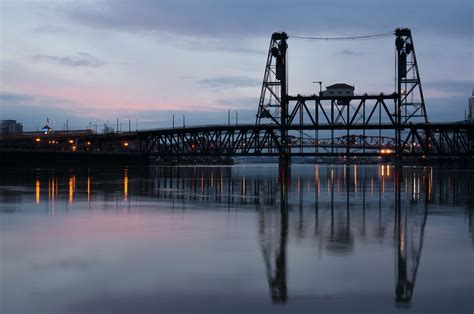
[[300, 125]]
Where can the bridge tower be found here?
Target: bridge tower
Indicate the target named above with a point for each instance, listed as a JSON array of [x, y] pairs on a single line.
[[273, 104], [411, 102]]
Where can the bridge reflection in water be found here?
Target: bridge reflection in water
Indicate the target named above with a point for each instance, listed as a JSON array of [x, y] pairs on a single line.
[[339, 237], [336, 205]]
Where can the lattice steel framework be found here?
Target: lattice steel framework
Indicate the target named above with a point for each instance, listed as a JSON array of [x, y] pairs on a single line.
[[274, 81], [431, 140], [314, 125], [411, 100], [279, 108]]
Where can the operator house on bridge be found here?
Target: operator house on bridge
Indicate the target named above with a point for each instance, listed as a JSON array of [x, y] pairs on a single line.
[[339, 89]]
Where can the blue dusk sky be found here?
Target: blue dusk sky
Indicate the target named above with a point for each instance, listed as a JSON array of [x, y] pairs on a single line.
[[145, 60]]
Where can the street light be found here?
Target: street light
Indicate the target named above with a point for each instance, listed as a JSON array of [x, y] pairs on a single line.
[[184, 120], [320, 85]]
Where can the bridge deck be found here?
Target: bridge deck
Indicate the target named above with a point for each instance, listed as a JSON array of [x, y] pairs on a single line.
[[431, 140]]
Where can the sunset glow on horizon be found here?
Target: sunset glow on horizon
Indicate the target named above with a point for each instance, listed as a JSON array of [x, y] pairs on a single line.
[[102, 60]]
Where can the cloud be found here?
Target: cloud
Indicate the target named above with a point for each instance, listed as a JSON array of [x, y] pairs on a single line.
[[49, 29], [212, 18], [32, 110], [212, 44], [349, 52], [229, 82], [446, 109], [449, 88], [13, 98], [245, 103], [13, 101], [81, 59]]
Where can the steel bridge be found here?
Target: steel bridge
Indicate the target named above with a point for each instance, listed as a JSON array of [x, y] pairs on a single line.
[[430, 140], [286, 125], [394, 125]]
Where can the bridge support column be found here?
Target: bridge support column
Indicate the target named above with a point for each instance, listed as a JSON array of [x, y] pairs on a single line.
[[281, 74], [284, 161]]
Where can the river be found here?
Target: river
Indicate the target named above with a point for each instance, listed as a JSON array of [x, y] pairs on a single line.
[[237, 239]]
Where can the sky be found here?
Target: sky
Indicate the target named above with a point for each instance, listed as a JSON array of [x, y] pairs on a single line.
[[143, 61]]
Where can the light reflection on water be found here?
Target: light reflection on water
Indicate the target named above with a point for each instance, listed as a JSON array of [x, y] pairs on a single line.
[[244, 238]]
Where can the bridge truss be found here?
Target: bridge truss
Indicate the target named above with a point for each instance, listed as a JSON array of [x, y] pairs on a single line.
[[394, 124], [433, 140]]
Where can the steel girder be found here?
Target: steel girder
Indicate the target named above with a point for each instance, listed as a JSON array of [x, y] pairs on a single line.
[[456, 140], [443, 140]]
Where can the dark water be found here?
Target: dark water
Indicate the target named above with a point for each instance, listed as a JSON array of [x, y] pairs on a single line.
[[241, 239]]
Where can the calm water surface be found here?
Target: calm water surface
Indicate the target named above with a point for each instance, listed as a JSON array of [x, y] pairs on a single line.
[[239, 239]]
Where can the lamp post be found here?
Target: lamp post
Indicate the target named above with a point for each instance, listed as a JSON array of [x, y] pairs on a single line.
[[184, 120], [320, 85]]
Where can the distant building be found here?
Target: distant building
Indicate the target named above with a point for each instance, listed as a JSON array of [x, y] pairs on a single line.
[[11, 127], [470, 116], [46, 129], [339, 89]]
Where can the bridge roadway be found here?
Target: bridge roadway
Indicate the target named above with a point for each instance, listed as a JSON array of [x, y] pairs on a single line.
[[429, 140], [433, 140], [335, 124]]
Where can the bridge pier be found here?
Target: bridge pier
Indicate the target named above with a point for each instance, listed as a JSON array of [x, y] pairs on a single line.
[[284, 161]]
